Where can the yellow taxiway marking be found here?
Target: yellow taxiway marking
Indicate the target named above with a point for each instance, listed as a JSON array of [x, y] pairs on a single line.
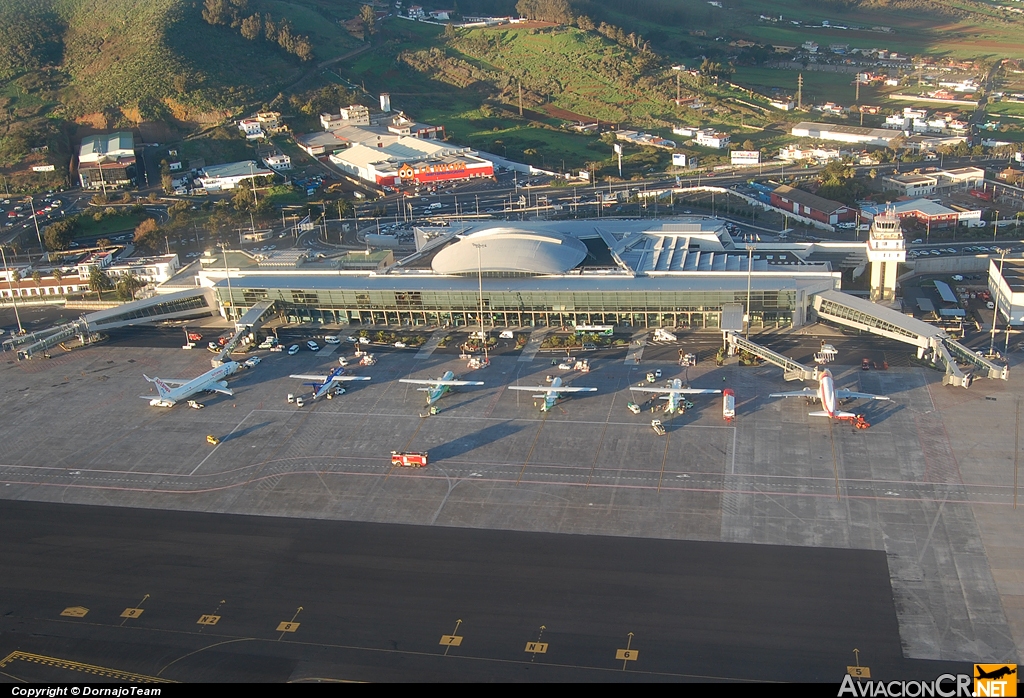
[[453, 640], [289, 626], [627, 655], [59, 663], [75, 611], [537, 647], [133, 612]]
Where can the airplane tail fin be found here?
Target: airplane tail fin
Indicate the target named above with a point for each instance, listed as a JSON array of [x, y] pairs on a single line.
[[161, 387]]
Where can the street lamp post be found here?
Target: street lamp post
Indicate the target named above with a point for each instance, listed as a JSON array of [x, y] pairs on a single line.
[[995, 311], [750, 269], [480, 278], [10, 285], [227, 274], [32, 204]]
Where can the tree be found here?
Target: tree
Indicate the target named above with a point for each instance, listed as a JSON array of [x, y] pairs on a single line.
[[215, 12], [104, 243], [252, 27], [126, 287], [98, 281], [147, 235], [585, 23], [748, 145], [369, 17], [58, 276], [60, 234], [37, 276]]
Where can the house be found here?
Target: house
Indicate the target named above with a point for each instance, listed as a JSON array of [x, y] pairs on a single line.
[[809, 46], [709, 138], [152, 270], [441, 15], [317, 144], [811, 206], [791, 153], [913, 185], [278, 161], [783, 105], [354, 114], [252, 129], [416, 12]]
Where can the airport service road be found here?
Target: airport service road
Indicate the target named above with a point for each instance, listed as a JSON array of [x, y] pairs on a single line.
[[201, 597], [931, 483]]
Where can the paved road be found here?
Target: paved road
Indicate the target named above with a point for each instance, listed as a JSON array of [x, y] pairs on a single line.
[[372, 602]]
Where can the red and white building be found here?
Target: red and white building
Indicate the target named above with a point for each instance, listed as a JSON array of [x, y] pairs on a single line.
[[409, 160], [812, 206]]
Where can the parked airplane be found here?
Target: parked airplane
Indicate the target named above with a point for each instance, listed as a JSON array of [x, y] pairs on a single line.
[[552, 393], [438, 387], [674, 394], [212, 380], [829, 397], [324, 384]]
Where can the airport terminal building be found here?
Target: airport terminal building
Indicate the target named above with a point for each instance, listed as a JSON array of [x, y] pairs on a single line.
[[654, 273]]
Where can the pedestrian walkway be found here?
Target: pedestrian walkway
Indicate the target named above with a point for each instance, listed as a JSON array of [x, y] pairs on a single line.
[[427, 349], [636, 349], [533, 344]]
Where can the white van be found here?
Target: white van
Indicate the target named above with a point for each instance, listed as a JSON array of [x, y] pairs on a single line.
[[332, 339]]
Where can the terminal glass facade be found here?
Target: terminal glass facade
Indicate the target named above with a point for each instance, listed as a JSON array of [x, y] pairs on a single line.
[[510, 308]]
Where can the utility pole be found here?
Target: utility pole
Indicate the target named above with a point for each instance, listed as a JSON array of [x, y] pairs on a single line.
[[520, 98], [32, 204], [677, 88], [480, 276], [10, 285], [800, 91]]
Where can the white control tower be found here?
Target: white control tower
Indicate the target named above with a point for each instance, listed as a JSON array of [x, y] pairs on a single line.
[[886, 250]]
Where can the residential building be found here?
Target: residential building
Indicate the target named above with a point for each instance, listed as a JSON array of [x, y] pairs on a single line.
[[152, 270], [252, 129], [913, 185], [709, 138], [822, 155], [320, 143], [278, 161]]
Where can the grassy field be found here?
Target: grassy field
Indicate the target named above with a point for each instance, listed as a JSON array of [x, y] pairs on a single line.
[[108, 225], [1005, 108], [223, 144], [818, 86]]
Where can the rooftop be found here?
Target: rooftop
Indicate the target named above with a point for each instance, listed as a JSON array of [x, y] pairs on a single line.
[[808, 199], [246, 168]]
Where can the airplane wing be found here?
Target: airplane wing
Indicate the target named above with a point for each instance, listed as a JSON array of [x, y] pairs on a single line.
[[438, 382], [321, 379], [216, 388], [549, 389], [806, 392], [682, 391], [847, 394]]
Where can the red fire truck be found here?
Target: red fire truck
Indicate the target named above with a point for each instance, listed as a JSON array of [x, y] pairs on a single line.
[[409, 459]]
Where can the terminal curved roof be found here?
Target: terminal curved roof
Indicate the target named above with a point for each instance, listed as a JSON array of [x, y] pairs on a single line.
[[511, 250]]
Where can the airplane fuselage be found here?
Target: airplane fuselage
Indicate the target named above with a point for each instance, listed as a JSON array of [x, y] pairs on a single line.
[[214, 377], [827, 393], [319, 390], [437, 392]]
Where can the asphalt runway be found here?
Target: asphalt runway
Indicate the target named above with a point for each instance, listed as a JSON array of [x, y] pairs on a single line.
[[372, 602]]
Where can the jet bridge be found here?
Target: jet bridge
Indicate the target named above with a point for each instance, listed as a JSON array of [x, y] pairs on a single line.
[[843, 309], [251, 321], [792, 370]]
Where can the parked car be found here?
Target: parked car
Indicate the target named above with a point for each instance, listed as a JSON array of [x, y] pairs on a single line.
[[252, 361]]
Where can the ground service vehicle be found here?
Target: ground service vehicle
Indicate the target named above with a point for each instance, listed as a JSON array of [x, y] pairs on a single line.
[[211, 439], [728, 405], [409, 459], [658, 427], [195, 405]]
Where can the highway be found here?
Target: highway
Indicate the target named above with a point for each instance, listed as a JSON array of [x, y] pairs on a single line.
[[179, 596]]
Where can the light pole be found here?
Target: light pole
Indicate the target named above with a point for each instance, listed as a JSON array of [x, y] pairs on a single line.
[[10, 285], [227, 274], [995, 312], [750, 269], [480, 278], [32, 204]]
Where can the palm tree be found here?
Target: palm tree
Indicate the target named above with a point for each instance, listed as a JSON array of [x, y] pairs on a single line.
[[58, 277]]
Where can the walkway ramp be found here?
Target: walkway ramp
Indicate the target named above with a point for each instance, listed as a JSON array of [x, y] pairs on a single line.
[[954, 375], [792, 370], [989, 368]]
